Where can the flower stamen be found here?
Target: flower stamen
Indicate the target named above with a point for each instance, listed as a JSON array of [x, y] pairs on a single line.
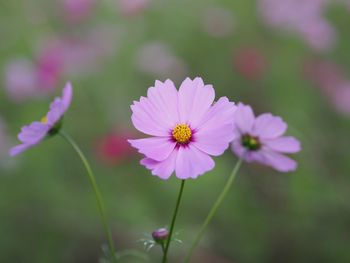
[[44, 120], [182, 133], [250, 142]]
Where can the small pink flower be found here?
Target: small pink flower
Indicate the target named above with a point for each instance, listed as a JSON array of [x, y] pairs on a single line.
[[186, 128], [250, 63], [114, 147], [261, 139], [34, 133]]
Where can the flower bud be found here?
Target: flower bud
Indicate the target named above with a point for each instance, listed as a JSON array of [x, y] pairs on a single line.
[[160, 235]]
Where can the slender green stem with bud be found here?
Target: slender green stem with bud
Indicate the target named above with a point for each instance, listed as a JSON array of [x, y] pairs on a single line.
[[166, 249], [213, 210], [96, 190]]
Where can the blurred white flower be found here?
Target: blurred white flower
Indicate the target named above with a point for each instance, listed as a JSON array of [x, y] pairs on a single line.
[[157, 60]]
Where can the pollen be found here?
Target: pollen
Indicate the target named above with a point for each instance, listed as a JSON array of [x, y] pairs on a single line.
[[182, 133], [44, 120]]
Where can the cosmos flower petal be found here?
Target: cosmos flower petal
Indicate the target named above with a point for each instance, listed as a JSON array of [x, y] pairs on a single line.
[[164, 97], [267, 126], [156, 148], [214, 141], [221, 113], [195, 99], [162, 169], [33, 133], [60, 105], [191, 162], [244, 118], [278, 161], [67, 95], [157, 114], [284, 144], [19, 149]]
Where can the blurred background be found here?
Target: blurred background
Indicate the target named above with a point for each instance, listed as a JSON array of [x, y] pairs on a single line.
[[288, 57]]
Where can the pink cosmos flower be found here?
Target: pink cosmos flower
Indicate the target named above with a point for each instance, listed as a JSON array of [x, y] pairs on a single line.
[[260, 139], [35, 132], [186, 128]]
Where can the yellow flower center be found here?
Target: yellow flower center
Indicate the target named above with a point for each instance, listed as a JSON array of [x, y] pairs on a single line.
[[182, 133], [44, 120]]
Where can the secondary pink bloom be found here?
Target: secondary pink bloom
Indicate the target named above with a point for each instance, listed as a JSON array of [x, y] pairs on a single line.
[[114, 147], [186, 128], [261, 139], [250, 63], [34, 133]]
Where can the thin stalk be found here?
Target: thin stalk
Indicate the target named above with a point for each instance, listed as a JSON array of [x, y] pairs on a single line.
[[96, 190], [165, 253], [213, 210]]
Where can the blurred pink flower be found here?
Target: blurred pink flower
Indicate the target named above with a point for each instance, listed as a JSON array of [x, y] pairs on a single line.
[[260, 139], [130, 8], [332, 82], [157, 60], [21, 80], [34, 133], [303, 17], [217, 22], [186, 128], [113, 147], [78, 10], [341, 98], [250, 63]]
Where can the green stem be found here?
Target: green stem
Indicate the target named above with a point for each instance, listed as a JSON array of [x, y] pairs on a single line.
[[165, 253], [96, 190], [213, 210]]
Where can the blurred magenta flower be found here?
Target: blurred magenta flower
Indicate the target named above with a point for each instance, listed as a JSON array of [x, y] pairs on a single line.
[[157, 60], [186, 128], [114, 148], [130, 8], [217, 22], [50, 124], [250, 63], [261, 139], [332, 81], [77, 10], [304, 17]]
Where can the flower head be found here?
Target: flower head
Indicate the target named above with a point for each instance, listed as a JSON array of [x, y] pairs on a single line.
[[186, 128], [34, 133], [261, 139]]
